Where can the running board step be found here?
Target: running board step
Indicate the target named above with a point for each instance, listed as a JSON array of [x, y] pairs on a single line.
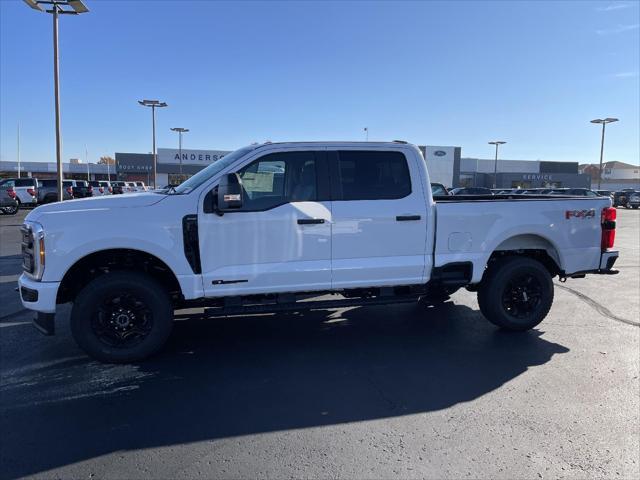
[[306, 305]]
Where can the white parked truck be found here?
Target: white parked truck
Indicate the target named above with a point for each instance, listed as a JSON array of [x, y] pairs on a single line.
[[269, 225]]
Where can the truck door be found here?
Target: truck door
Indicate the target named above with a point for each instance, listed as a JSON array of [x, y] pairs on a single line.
[[280, 240], [379, 219]]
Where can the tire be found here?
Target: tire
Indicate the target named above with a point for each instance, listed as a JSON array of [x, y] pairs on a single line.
[[634, 206], [122, 317], [11, 210], [516, 293]]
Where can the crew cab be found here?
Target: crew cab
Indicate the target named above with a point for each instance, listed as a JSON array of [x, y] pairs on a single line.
[[271, 227]]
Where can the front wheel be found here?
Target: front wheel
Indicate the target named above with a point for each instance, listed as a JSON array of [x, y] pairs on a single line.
[[122, 317], [516, 293]]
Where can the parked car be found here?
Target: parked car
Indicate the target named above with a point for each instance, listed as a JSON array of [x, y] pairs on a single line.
[[100, 188], [605, 193], [8, 202], [48, 191], [438, 189], [130, 187], [117, 187], [238, 239], [141, 187], [620, 197], [470, 191], [633, 200], [26, 190], [82, 189]]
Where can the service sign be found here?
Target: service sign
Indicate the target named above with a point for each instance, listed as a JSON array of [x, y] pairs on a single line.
[[189, 157]]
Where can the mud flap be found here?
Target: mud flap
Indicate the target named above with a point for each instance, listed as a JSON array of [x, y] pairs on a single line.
[[44, 323]]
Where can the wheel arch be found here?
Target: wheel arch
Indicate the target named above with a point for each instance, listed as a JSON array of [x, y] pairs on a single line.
[[530, 245], [101, 262]]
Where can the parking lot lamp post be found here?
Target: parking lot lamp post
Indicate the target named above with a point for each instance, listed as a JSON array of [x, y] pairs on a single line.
[[18, 149], [153, 104], [180, 131], [603, 121], [57, 7], [495, 163]]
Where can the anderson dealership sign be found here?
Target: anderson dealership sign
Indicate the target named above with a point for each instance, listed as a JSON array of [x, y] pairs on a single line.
[[189, 157]]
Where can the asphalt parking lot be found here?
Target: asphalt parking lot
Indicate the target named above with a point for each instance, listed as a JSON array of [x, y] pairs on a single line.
[[373, 392]]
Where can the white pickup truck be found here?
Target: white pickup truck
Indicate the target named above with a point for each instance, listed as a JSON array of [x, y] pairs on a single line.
[[270, 225]]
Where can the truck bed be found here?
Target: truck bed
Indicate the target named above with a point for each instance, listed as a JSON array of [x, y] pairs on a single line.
[[472, 227]]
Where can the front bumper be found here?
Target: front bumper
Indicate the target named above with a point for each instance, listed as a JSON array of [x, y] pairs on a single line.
[[38, 296]]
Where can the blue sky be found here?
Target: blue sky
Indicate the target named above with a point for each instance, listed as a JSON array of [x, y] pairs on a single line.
[[436, 73]]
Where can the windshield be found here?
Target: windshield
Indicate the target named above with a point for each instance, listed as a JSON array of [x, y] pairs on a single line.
[[212, 170]]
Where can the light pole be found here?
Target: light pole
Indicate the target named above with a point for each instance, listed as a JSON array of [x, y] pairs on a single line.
[[603, 121], [153, 104], [86, 159], [18, 149], [180, 131], [366, 132], [495, 163], [58, 7]]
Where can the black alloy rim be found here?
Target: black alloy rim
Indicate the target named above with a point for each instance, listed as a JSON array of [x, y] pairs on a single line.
[[523, 296], [122, 320]]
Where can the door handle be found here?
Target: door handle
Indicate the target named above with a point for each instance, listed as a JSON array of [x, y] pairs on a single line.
[[407, 218], [310, 221]]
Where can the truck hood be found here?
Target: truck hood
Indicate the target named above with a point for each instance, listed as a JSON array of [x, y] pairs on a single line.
[[134, 200]]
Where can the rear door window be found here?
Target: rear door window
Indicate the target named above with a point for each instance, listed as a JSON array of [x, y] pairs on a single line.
[[371, 175]]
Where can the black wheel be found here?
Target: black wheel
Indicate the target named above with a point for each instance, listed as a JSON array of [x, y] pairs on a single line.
[[516, 293], [122, 317], [10, 210], [634, 206]]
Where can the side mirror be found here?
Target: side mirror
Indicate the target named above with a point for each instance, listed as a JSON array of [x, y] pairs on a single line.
[[229, 193]]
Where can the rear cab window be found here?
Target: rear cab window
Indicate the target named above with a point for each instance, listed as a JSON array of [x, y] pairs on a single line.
[[25, 182]]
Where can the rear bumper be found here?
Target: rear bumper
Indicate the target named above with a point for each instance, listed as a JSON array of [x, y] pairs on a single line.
[[607, 260]]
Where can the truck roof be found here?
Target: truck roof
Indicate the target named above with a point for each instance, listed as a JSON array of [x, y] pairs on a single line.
[[338, 142]]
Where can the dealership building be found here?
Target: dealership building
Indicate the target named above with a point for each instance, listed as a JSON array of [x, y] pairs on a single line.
[[173, 168], [446, 165]]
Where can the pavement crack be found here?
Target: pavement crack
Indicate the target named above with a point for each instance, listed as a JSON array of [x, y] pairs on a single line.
[[601, 309]]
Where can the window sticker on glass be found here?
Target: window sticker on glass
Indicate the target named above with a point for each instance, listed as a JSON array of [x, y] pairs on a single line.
[[258, 181]]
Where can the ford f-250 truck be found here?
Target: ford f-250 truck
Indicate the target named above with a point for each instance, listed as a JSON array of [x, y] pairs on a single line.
[[270, 225]]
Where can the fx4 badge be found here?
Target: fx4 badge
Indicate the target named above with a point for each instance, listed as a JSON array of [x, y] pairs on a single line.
[[580, 214]]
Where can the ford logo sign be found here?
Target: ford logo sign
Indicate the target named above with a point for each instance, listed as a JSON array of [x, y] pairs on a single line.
[[439, 153]]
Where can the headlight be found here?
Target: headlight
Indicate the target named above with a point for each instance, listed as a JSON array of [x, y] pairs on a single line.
[[33, 249]]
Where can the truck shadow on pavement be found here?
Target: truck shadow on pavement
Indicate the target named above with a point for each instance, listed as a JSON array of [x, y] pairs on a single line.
[[238, 376]]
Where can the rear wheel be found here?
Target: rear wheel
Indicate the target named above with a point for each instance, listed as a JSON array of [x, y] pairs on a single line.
[[516, 293], [122, 317], [10, 210]]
